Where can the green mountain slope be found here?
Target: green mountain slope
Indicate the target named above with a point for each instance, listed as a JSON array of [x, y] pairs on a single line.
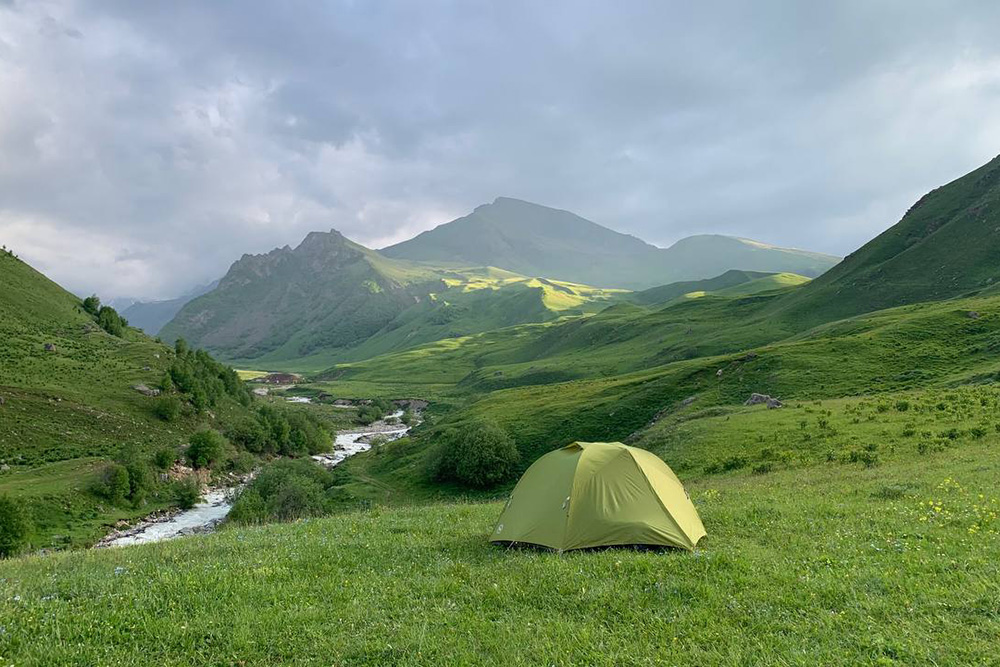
[[332, 300], [731, 283], [947, 245], [327, 292], [68, 406], [540, 241]]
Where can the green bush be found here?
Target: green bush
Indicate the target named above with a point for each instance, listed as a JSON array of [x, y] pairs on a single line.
[[109, 320], [15, 526], [167, 408], [188, 492], [206, 448], [481, 456], [165, 458], [284, 490], [248, 434], [114, 483], [242, 463]]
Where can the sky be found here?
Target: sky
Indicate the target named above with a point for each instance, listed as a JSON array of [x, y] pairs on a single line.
[[145, 146]]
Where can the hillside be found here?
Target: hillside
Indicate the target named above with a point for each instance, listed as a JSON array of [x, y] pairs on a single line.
[[332, 300], [947, 245], [69, 407], [732, 283], [150, 316], [537, 240]]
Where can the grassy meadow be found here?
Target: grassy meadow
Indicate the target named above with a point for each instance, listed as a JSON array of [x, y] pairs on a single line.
[[813, 559]]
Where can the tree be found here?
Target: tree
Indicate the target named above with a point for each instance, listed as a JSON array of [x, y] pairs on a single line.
[[167, 408], [180, 347], [481, 456], [15, 526], [109, 320], [114, 484], [92, 304], [206, 448]]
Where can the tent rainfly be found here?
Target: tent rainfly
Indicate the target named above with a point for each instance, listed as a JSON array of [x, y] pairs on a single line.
[[594, 494]]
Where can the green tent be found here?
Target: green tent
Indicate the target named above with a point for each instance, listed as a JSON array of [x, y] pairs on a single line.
[[593, 494]]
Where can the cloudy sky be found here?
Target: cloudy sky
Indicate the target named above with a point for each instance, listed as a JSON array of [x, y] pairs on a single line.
[[144, 146]]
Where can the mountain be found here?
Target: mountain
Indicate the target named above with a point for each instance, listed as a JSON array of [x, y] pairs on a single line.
[[332, 299], [537, 240], [150, 316], [946, 245]]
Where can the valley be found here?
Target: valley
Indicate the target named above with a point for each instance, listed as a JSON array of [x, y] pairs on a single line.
[[872, 488]]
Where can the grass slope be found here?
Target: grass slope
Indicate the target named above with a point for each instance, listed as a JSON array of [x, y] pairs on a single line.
[[67, 410], [815, 562], [945, 246]]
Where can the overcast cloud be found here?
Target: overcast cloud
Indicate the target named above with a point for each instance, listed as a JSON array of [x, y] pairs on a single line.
[[145, 146]]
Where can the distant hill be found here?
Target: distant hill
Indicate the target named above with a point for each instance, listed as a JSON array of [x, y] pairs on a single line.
[[947, 245], [537, 240], [150, 316], [333, 299], [664, 293]]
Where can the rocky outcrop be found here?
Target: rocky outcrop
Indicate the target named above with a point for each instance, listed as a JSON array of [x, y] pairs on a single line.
[[763, 399]]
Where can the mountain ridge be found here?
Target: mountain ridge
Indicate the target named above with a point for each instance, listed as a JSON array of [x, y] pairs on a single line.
[[532, 239]]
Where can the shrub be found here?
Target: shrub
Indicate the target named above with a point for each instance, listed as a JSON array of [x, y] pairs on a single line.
[[283, 491], [140, 479], [763, 468], [977, 432], [15, 526], [165, 458], [109, 320], [167, 408], [188, 492], [242, 463], [114, 483], [248, 434], [206, 448], [902, 405], [725, 465], [481, 456]]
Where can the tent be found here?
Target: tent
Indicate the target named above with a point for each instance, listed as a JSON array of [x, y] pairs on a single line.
[[593, 494]]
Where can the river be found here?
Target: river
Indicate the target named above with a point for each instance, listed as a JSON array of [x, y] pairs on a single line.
[[215, 505]]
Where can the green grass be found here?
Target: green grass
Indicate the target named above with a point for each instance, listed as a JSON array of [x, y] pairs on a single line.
[[815, 562]]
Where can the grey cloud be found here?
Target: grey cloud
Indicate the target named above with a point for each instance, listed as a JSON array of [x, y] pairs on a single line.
[[170, 138]]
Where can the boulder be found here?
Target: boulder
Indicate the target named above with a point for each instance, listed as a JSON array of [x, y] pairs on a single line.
[[2, 400], [50, 347], [973, 315], [146, 391], [763, 399]]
